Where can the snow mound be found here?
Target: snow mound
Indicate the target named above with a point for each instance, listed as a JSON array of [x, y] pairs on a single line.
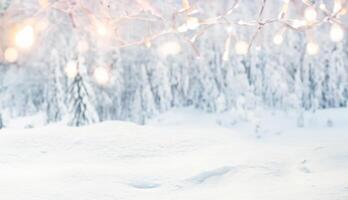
[[182, 154]]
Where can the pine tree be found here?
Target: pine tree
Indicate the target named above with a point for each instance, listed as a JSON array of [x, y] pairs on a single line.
[[55, 106], [83, 112]]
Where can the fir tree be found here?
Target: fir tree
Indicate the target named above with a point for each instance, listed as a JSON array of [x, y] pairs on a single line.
[[55, 107], [82, 110]]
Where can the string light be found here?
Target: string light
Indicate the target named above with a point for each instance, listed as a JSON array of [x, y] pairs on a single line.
[[170, 48], [310, 14], [241, 47], [11, 55], [71, 69], [278, 39], [147, 43], [322, 6], [312, 48], [183, 28], [43, 3], [192, 23], [337, 6], [298, 23], [336, 33], [101, 28], [186, 4], [25, 37], [101, 75]]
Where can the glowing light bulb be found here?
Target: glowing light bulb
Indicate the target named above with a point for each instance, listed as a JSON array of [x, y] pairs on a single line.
[[170, 48], [278, 39], [101, 29], [43, 3], [323, 7], [312, 48], [192, 23], [11, 55], [310, 14], [71, 69], [101, 75], [337, 6], [147, 43], [25, 37], [186, 4], [183, 28], [241, 47], [336, 33], [299, 23]]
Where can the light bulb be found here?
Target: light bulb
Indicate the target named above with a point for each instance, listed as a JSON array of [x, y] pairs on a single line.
[[310, 14], [101, 75], [323, 7], [25, 37], [170, 48], [186, 4], [71, 69], [43, 3], [278, 39], [312, 48], [147, 43], [11, 55], [101, 28], [337, 6], [183, 28], [241, 47], [192, 23], [299, 23], [336, 33]]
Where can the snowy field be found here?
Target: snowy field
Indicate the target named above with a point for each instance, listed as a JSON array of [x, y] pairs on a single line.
[[182, 154]]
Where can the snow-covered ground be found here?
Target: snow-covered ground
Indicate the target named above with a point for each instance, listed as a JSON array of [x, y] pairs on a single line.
[[179, 155]]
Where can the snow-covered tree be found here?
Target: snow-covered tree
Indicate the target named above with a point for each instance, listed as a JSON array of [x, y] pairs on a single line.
[[82, 110], [55, 95]]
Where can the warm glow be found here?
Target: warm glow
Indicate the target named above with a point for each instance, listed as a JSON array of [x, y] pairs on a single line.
[[101, 75], [278, 39], [101, 28], [310, 14], [71, 69], [192, 23], [147, 43], [186, 4], [337, 6], [170, 48], [43, 3], [183, 28], [336, 33], [323, 7], [299, 23], [25, 37], [312, 48], [241, 47], [11, 55]]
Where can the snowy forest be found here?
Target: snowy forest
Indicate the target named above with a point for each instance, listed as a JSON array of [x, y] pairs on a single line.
[[93, 61], [173, 99]]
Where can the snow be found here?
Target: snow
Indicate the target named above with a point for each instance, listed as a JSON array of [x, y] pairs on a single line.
[[182, 154]]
